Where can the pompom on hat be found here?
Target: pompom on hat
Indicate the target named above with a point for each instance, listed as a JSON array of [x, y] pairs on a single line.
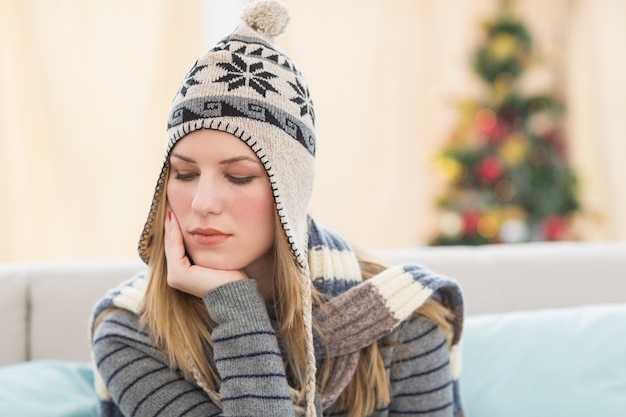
[[248, 87]]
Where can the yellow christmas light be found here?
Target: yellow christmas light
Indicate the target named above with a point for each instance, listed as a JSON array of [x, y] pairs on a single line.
[[502, 86], [514, 149], [488, 226], [514, 212], [451, 169], [503, 46]]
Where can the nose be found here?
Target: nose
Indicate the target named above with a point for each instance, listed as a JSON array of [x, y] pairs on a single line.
[[207, 198]]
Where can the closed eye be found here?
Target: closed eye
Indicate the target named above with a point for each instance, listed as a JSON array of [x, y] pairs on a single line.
[[239, 180], [185, 176]]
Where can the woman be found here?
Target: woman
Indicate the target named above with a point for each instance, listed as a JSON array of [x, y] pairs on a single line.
[[249, 307]]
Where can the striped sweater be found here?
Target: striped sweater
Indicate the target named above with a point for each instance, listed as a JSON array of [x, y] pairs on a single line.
[[133, 378]]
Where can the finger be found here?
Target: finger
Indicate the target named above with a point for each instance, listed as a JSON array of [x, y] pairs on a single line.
[[174, 246]]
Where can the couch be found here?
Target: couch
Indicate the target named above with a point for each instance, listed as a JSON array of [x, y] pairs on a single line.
[[544, 335]]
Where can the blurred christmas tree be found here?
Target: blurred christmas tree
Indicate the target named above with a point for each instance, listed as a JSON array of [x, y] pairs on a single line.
[[506, 163]]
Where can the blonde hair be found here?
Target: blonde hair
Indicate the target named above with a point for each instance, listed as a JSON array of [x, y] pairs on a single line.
[[179, 324]]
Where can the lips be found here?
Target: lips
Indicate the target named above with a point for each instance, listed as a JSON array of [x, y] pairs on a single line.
[[209, 237]]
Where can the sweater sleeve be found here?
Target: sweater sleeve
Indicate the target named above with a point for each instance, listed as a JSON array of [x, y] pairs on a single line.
[[136, 374], [141, 383], [420, 374], [246, 353]]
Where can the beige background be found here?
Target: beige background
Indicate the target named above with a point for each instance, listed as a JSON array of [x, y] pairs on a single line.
[[85, 88]]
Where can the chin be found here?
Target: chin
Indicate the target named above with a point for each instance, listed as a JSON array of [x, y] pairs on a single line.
[[213, 261]]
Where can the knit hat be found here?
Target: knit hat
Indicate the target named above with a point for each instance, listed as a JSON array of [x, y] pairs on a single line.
[[248, 87]]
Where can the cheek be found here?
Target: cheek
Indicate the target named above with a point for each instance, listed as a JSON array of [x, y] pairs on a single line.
[[258, 208], [177, 198], [268, 218]]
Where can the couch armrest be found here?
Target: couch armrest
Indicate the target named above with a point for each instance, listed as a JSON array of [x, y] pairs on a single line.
[[14, 314], [47, 317]]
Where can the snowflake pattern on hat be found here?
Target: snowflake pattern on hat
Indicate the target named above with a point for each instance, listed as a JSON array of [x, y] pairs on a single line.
[[303, 99], [190, 81], [240, 74]]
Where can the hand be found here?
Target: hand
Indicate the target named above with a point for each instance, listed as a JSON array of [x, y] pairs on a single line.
[[181, 274]]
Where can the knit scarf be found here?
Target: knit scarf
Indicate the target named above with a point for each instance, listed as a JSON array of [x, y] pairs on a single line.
[[384, 301]]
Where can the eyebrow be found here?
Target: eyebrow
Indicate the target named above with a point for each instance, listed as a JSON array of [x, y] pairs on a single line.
[[240, 158], [222, 162]]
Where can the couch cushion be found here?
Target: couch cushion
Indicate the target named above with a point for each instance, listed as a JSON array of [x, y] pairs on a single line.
[[552, 363], [48, 388]]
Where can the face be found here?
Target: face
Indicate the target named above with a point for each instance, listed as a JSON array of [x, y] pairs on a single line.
[[220, 194]]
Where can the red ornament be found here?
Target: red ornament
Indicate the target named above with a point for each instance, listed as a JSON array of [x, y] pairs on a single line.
[[485, 120], [489, 170], [470, 222], [490, 126], [498, 133], [553, 228]]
